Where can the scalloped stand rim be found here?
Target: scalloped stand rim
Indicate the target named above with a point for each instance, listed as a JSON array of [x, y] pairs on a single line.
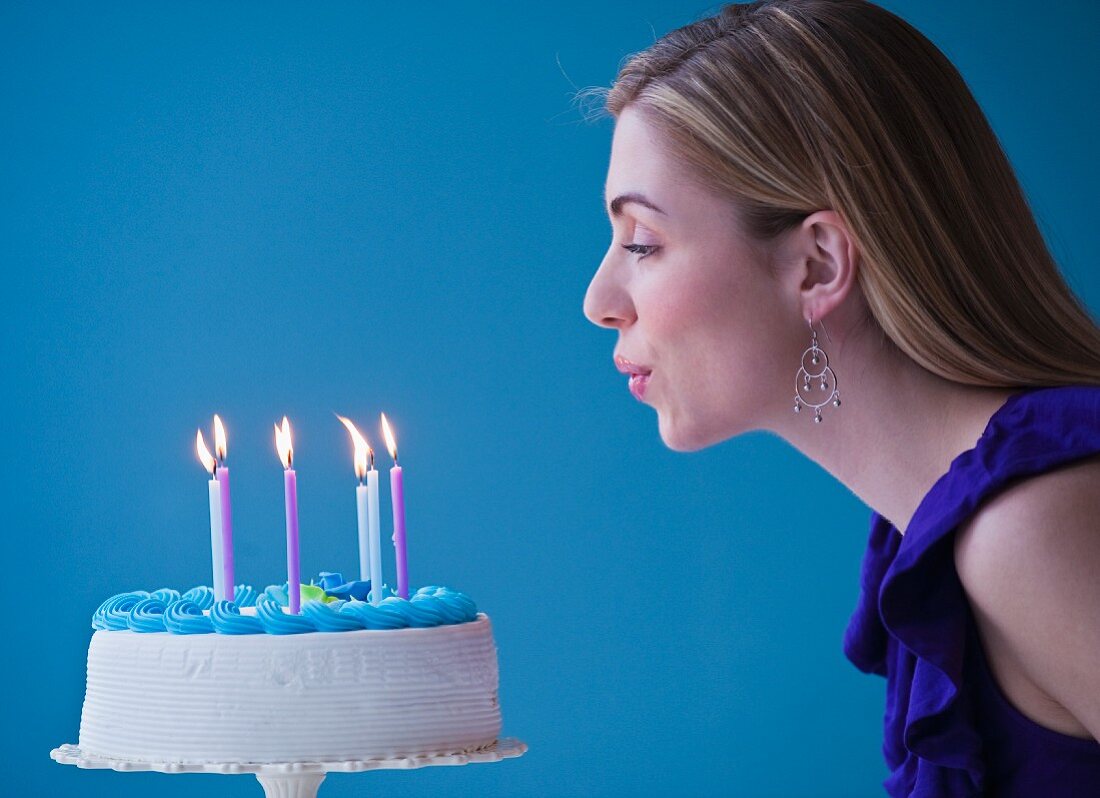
[[292, 779]]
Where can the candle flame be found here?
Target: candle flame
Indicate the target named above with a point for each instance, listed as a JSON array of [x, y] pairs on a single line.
[[220, 448], [362, 448], [208, 461], [391, 444], [283, 443]]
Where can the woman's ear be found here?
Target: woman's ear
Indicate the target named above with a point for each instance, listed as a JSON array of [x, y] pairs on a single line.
[[828, 258]]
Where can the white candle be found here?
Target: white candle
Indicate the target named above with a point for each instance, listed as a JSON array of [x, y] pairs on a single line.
[[366, 508], [215, 514], [374, 533], [361, 518]]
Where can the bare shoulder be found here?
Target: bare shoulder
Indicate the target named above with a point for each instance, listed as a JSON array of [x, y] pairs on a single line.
[[1028, 560]]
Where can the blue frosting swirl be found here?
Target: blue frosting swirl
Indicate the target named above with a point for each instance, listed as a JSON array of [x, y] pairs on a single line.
[[330, 617], [277, 593], [113, 613], [226, 619], [422, 611], [376, 617], [277, 622], [458, 606], [166, 594], [451, 612], [147, 615], [202, 595], [245, 596], [185, 617]]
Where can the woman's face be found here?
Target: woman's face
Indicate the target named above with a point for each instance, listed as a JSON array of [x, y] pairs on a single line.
[[710, 336]]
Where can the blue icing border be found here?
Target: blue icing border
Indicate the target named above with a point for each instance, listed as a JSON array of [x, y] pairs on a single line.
[[166, 610]]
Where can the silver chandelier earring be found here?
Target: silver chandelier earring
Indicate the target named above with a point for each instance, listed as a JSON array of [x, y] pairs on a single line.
[[812, 383]]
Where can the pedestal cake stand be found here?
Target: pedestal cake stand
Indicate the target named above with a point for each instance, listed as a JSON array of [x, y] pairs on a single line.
[[293, 779]]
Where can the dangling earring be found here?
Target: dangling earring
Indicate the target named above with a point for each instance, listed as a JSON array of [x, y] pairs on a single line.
[[809, 383]]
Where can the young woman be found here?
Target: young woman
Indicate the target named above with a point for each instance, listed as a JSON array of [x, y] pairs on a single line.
[[789, 163]]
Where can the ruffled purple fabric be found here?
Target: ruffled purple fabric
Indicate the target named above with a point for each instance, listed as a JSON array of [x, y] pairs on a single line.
[[913, 623]]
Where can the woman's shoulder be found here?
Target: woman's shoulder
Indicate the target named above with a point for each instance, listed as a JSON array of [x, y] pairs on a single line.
[[914, 613], [1027, 560], [1040, 428]]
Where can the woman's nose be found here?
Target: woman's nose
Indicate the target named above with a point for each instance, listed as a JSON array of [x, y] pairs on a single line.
[[607, 303]]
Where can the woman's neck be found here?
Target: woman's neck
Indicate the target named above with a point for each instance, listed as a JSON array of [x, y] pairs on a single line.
[[897, 430]]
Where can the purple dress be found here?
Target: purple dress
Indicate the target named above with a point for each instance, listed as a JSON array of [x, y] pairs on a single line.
[[950, 731]]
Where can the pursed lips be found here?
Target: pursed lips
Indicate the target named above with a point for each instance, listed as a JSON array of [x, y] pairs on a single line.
[[639, 375]]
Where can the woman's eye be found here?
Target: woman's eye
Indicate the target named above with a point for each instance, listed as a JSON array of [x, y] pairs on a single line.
[[641, 250]]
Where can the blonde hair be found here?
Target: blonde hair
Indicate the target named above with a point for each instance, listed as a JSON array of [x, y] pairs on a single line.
[[791, 106]]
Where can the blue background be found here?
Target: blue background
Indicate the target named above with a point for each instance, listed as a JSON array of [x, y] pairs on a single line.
[[267, 209]]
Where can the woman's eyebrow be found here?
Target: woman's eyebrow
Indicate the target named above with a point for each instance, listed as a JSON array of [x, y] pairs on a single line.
[[616, 205]]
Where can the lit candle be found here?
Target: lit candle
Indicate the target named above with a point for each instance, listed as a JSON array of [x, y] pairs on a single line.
[[397, 496], [366, 505], [211, 466], [290, 492], [375, 527], [222, 474]]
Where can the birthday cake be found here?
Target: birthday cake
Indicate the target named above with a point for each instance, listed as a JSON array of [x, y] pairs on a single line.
[[183, 678]]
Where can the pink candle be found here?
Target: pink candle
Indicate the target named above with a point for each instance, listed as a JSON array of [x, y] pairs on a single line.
[[397, 491], [290, 492], [293, 566], [222, 474], [227, 534], [397, 497]]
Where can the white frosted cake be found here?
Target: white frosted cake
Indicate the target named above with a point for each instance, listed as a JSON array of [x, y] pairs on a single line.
[[184, 679]]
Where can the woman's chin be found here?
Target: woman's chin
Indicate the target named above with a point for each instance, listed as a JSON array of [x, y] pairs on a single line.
[[683, 434], [679, 436]]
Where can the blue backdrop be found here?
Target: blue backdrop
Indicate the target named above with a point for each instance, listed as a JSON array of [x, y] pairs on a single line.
[[271, 209]]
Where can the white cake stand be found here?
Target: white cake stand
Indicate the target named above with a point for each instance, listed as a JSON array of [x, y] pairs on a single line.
[[292, 779]]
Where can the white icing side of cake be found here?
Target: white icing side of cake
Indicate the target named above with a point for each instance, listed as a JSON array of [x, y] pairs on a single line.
[[320, 696]]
